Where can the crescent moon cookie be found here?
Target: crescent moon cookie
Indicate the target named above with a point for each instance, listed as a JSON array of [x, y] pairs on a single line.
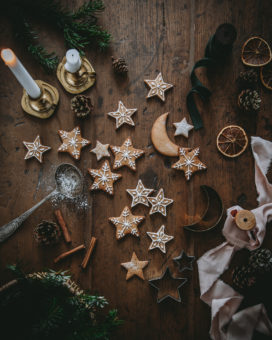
[[126, 155], [189, 162], [123, 115], [160, 139], [157, 87], [159, 239], [72, 142], [35, 149], [126, 223], [103, 178], [135, 267]]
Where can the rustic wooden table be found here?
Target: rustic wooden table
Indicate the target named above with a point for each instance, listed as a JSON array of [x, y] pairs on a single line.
[[153, 36]]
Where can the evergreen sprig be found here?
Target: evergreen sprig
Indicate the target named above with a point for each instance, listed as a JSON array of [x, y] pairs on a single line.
[[79, 27], [46, 306]]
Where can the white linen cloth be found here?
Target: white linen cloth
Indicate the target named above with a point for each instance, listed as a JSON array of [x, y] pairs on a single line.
[[223, 299]]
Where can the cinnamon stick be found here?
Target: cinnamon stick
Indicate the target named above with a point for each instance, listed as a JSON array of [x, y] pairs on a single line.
[[88, 253], [68, 253], [63, 226]]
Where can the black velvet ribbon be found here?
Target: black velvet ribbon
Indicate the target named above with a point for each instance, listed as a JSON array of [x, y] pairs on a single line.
[[218, 48]]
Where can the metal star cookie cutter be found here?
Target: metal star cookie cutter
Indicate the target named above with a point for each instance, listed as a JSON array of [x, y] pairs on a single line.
[[206, 222], [168, 274], [183, 257]]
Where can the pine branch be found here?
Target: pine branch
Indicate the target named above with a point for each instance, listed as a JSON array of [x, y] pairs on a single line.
[[79, 27]]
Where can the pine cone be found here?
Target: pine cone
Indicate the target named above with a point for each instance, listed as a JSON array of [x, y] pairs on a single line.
[[260, 261], [119, 65], [243, 278], [248, 78], [47, 233], [82, 106], [249, 100]]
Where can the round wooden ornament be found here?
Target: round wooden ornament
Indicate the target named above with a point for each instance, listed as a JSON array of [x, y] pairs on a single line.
[[245, 220]]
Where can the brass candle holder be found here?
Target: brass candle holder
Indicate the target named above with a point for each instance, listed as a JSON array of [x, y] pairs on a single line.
[[44, 106], [79, 81]]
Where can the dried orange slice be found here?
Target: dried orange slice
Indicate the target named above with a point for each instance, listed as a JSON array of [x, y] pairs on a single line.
[[266, 76], [232, 141], [256, 52]]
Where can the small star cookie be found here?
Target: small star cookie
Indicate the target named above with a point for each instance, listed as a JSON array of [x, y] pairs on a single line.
[[103, 178], [159, 203], [126, 223], [135, 267], [183, 128], [72, 142], [126, 155], [159, 239], [35, 149], [101, 150], [157, 87], [123, 115], [189, 162], [139, 195]]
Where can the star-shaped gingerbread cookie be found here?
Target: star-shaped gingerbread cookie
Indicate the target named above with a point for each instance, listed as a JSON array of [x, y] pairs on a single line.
[[126, 223], [139, 195], [183, 128], [157, 87], [159, 239], [103, 178], [123, 115], [72, 142], [35, 149], [126, 155], [189, 162], [135, 267], [159, 203], [101, 150]]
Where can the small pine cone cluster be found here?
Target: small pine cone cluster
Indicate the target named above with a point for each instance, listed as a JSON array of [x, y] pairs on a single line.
[[261, 261], [248, 78], [249, 101], [243, 278], [119, 65], [259, 265], [47, 233], [82, 106]]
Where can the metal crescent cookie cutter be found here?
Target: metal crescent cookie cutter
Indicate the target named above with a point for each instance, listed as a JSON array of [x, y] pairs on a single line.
[[206, 223]]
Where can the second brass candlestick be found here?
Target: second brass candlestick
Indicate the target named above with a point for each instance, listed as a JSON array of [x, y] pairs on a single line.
[[79, 81]]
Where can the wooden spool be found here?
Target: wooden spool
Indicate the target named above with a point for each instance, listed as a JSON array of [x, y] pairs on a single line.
[[245, 220]]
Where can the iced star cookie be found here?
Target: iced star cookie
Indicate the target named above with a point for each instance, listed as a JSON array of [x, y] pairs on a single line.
[[101, 150], [126, 155], [159, 203], [103, 178], [72, 142], [139, 194], [159, 239], [126, 223], [183, 128], [188, 162], [35, 149], [135, 267], [157, 87], [123, 115]]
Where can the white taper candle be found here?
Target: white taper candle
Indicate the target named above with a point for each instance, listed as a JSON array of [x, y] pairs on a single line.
[[21, 74], [73, 61]]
